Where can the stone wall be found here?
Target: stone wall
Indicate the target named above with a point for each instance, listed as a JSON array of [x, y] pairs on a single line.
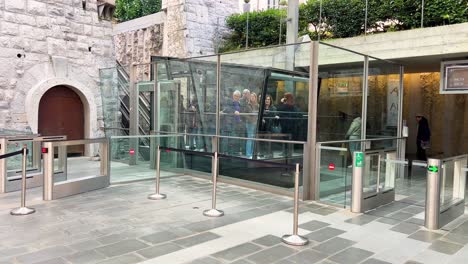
[[51, 42], [205, 24], [137, 40], [184, 28]]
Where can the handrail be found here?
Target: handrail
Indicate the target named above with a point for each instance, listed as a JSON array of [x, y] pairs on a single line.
[[145, 136], [243, 138], [78, 142], [19, 137], [465, 156], [359, 140]]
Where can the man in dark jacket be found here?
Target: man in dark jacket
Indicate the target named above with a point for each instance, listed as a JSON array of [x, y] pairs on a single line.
[[423, 137]]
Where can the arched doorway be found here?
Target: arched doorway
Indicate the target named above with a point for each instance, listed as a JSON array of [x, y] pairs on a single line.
[[61, 113]]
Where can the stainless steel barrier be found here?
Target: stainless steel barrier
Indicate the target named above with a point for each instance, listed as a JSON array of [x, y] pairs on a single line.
[[53, 190], [295, 239], [445, 203], [23, 210], [373, 185], [213, 212], [157, 195], [10, 179]]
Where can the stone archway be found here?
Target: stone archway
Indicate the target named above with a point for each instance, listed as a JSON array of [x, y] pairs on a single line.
[[86, 95], [61, 113]]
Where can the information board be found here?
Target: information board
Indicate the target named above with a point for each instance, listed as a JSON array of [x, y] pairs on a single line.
[[454, 77]]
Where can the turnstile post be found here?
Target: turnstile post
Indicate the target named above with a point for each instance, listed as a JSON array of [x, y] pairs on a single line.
[[357, 182], [432, 211]]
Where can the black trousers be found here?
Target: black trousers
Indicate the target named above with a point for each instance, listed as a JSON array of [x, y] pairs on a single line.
[[420, 152]]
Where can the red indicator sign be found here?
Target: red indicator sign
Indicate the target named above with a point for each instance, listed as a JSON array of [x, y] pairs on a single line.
[[168, 150], [132, 152], [44, 150], [331, 166]]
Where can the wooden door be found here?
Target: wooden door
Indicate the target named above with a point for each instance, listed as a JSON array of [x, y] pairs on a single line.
[[61, 113]]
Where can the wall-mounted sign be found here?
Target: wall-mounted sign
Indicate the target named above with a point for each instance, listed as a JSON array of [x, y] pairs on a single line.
[[342, 87], [454, 77], [358, 159]]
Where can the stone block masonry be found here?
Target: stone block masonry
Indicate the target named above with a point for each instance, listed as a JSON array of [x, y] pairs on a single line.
[[51, 41]]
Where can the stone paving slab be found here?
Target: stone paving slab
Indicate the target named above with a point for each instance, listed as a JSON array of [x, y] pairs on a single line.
[[120, 225]]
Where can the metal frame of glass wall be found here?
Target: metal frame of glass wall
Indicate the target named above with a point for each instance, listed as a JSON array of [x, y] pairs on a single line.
[[310, 57]]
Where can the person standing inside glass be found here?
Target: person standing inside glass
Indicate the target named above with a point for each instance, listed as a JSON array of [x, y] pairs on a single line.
[[289, 115], [354, 133], [423, 137], [193, 125], [251, 123], [233, 125], [270, 125]]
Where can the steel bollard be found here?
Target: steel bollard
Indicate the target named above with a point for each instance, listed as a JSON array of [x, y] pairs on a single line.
[[157, 195], [213, 212], [23, 210], [295, 239]]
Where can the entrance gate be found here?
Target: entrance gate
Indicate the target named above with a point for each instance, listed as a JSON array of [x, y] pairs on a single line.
[[10, 169]]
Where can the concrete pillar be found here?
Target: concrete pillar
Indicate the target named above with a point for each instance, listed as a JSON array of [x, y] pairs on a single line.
[[293, 21]]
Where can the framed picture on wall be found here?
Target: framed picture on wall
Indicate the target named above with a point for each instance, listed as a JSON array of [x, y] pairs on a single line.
[[454, 77]]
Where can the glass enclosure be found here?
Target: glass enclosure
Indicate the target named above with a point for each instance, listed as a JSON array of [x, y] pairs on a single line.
[[263, 108]]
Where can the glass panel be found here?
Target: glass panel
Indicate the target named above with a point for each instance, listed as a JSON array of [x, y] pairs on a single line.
[[78, 167], [275, 170], [412, 190], [265, 95], [390, 170], [383, 99], [124, 169], [114, 92], [447, 196], [335, 174], [14, 163], [371, 172], [340, 94]]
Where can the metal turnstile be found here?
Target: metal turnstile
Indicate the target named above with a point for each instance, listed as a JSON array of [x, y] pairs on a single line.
[[55, 189], [374, 175], [445, 194], [10, 169]]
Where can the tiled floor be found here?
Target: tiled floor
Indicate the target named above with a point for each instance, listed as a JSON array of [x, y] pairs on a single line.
[[120, 225]]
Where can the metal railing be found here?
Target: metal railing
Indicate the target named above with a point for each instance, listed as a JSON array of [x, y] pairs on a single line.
[[9, 178], [294, 239], [53, 190]]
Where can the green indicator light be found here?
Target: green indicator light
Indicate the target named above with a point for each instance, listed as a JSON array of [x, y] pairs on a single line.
[[433, 168]]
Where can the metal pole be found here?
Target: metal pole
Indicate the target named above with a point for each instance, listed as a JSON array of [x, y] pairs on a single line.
[[365, 91], [320, 21], [295, 239], [281, 18], [422, 13], [218, 102], [213, 212], [365, 19], [157, 195], [23, 210], [247, 34], [432, 211]]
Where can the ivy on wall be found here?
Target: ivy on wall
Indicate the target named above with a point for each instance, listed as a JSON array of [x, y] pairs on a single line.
[[342, 19], [130, 9]]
